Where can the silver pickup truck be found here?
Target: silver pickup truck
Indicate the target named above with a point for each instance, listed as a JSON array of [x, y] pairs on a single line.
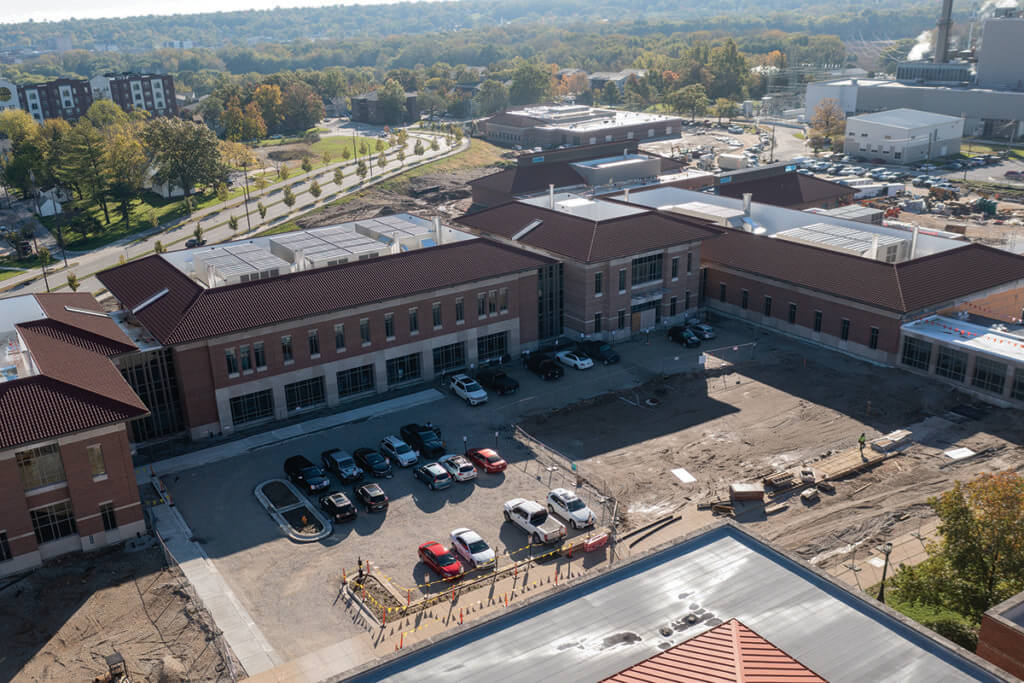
[[532, 518]]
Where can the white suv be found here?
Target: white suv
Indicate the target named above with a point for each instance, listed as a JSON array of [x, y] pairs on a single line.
[[467, 388], [393, 447], [568, 506]]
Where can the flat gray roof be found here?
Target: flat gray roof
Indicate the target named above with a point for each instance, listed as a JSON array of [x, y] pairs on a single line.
[[589, 631]]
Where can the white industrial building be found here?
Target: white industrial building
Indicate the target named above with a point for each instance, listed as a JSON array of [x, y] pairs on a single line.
[[903, 136]]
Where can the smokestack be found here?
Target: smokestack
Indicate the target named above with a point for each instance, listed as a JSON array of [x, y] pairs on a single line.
[[551, 196], [746, 203], [942, 37], [913, 242]]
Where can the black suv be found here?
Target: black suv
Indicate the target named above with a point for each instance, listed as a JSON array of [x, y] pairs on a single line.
[[338, 506], [683, 335], [373, 463], [301, 471], [599, 351], [424, 439], [544, 366], [497, 381], [372, 497], [342, 464]]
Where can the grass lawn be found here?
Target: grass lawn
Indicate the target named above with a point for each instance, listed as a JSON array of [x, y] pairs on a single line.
[[479, 155], [287, 226], [947, 623], [335, 144], [972, 148], [287, 139]]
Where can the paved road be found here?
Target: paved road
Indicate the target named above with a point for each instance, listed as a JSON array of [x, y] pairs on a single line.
[[214, 219]]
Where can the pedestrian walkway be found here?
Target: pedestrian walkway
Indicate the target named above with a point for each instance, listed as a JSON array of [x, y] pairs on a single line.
[[238, 447], [242, 634], [864, 567]]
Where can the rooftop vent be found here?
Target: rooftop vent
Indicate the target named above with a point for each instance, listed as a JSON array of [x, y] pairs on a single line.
[[526, 230]]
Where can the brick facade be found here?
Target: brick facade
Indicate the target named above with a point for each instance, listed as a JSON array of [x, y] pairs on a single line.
[[1002, 643]]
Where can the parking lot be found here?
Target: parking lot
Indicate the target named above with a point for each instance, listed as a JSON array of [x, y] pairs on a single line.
[[290, 589]]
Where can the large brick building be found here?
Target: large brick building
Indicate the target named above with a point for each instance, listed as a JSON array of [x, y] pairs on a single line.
[[153, 93], [66, 476], [550, 126], [70, 98]]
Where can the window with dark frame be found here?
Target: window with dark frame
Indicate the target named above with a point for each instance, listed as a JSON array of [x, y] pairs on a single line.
[[622, 318], [5, 547], [460, 310], [916, 353], [53, 521], [450, 357], [94, 453], [503, 299], [672, 306], [230, 361], [597, 323], [844, 329], [598, 284], [622, 280], [245, 357], [339, 337], [792, 313], [646, 269], [689, 262], [721, 291], [767, 306], [951, 364], [817, 321], [744, 299], [109, 518], [364, 330], [403, 369], [258, 405], [492, 347], [435, 309], [307, 393], [389, 325], [355, 381], [873, 339], [989, 375], [259, 356], [481, 304], [414, 320], [41, 466], [314, 343], [286, 348], [675, 267]]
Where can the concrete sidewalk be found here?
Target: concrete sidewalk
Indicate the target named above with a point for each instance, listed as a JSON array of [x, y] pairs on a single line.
[[866, 570], [238, 447], [240, 631]]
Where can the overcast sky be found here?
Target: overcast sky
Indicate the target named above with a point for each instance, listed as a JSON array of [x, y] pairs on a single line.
[[53, 10]]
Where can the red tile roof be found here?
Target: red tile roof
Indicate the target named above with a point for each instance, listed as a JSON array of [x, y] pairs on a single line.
[[787, 189], [583, 239], [522, 180], [188, 312], [56, 306], [902, 287], [728, 653]]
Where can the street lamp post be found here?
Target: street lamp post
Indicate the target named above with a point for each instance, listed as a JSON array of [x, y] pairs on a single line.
[[887, 549]]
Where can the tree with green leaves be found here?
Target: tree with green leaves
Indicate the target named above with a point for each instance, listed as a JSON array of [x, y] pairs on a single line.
[[198, 232], [233, 223], [531, 83], [289, 197], [126, 164], [391, 102], [83, 164], [307, 165], [491, 97], [314, 189], [828, 119], [378, 145], [382, 159], [401, 156], [73, 283], [361, 169], [691, 98], [326, 158], [159, 247], [283, 172], [339, 175], [262, 209], [724, 108], [363, 149], [418, 150], [610, 93], [346, 153], [434, 144], [183, 153], [221, 188]]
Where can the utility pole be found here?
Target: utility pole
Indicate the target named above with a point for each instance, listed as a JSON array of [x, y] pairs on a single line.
[[245, 173]]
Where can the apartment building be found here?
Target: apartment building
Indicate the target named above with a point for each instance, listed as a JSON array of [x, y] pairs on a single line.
[[153, 93], [63, 98], [66, 477]]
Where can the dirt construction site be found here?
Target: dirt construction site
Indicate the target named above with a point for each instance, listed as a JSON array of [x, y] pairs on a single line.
[[781, 405]]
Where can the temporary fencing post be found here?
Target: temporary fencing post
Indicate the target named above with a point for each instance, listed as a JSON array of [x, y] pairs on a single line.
[[383, 617], [506, 599], [344, 579], [401, 640], [408, 598], [460, 616]]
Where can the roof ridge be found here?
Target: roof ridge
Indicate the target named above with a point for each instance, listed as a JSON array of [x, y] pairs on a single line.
[[899, 286], [92, 336]]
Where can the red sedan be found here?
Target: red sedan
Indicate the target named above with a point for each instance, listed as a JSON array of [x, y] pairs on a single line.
[[488, 459], [441, 560]]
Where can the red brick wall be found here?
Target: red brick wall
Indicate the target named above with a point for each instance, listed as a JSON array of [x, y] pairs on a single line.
[[196, 385], [1005, 306], [14, 508], [119, 487], [1001, 645]]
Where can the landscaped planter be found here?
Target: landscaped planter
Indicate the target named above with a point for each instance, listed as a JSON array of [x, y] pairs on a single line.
[[298, 519]]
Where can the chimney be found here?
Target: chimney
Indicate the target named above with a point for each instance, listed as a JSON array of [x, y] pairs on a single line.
[[913, 242], [551, 196], [746, 203], [626, 195], [942, 37], [300, 260], [874, 248]]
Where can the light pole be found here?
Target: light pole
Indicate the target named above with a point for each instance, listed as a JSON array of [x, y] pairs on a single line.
[[887, 549], [245, 174]]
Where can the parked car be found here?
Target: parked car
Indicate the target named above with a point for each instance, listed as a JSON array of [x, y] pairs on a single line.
[[532, 518], [441, 560], [304, 473], [338, 506], [468, 544], [424, 439], [683, 335], [194, 242], [397, 450], [342, 464], [497, 381], [599, 351], [435, 476], [468, 389], [568, 506], [373, 497], [458, 466], [487, 459], [373, 463], [543, 366], [575, 359], [703, 331]]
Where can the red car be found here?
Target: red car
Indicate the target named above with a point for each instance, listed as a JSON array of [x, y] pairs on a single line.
[[488, 459], [441, 560]]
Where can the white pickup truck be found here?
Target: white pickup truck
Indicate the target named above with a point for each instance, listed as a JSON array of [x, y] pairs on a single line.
[[532, 518]]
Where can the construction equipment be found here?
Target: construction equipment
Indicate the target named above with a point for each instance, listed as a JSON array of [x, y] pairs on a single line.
[[809, 495], [117, 670]]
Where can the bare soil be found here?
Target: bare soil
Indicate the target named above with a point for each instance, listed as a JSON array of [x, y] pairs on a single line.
[[59, 622], [790, 405]]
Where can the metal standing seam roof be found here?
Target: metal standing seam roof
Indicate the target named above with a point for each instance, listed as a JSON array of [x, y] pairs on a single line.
[[587, 240], [189, 312], [728, 653]]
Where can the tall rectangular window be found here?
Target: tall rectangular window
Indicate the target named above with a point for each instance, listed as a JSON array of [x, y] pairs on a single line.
[[109, 518], [792, 313], [675, 267], [53, 521], [689, 262], [389, 325], [450, 357], [598, 284], [481, 304], [231, 361], [339, 337], [492, 302], [414, 321], [989, 375], [503, 300], [314, 343], [259, 356], [245, 357], [844, 329], [40, 466], [355, 381], [597, 323], [767, 307], [251, 407], [622, 280], [286, 348], [435, 309], [951, 363], [460, 310], [1018, 386], [744, 299], [403, 369], [672, 306], [5, 547], [95, 455], [364, 330], [817, 321], [686, 301], [307, 393], [873, 341], [647, 269], [492, 347], [916, 353], [721, 291], [622, 318]]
